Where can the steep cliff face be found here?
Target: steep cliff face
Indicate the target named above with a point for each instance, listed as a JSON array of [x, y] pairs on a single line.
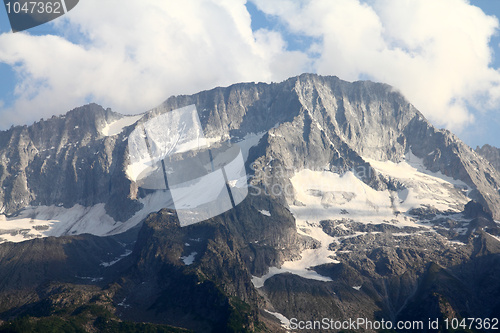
[[357, 207], [306, 122], [63, 161], [312, 121]]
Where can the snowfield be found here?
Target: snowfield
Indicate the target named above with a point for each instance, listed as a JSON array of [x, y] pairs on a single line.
[[116, 127], [324, 195], [44, 221]]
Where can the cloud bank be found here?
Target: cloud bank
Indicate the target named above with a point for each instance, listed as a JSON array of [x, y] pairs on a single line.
[[132, 55], [436, 52]]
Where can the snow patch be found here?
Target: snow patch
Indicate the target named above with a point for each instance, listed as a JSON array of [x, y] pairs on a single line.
[[456, 242], [92, 279], [123, 304], [285, 322], [309, 258], [44, 221], [265, 212], [111, 263], [188, 260], [324, 195], [117, 126], [250, 140], [327, 195], [423, 187]]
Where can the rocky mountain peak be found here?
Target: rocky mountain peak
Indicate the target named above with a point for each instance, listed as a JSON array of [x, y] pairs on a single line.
[[306, 122], [357, 207], [492, 154]]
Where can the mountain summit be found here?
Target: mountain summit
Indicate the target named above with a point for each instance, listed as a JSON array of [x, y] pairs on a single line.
[[356, 206], [76, 165]]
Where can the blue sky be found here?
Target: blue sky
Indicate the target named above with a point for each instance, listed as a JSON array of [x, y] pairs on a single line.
[[444, 56]]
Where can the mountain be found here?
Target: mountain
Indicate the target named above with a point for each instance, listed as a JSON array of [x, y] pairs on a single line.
[[357, 207], [492, 154]]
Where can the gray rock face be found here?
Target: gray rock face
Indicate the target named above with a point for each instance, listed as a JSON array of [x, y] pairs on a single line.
[[428, 265], [63, 161], [310, 122]]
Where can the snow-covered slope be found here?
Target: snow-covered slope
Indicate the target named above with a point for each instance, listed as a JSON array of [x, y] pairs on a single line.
[[44, 221], [56, 220], [324, 195], [75, 173], [117, 126]]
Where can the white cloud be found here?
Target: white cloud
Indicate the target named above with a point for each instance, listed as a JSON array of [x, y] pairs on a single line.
[[435, 52], [132, 55]]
